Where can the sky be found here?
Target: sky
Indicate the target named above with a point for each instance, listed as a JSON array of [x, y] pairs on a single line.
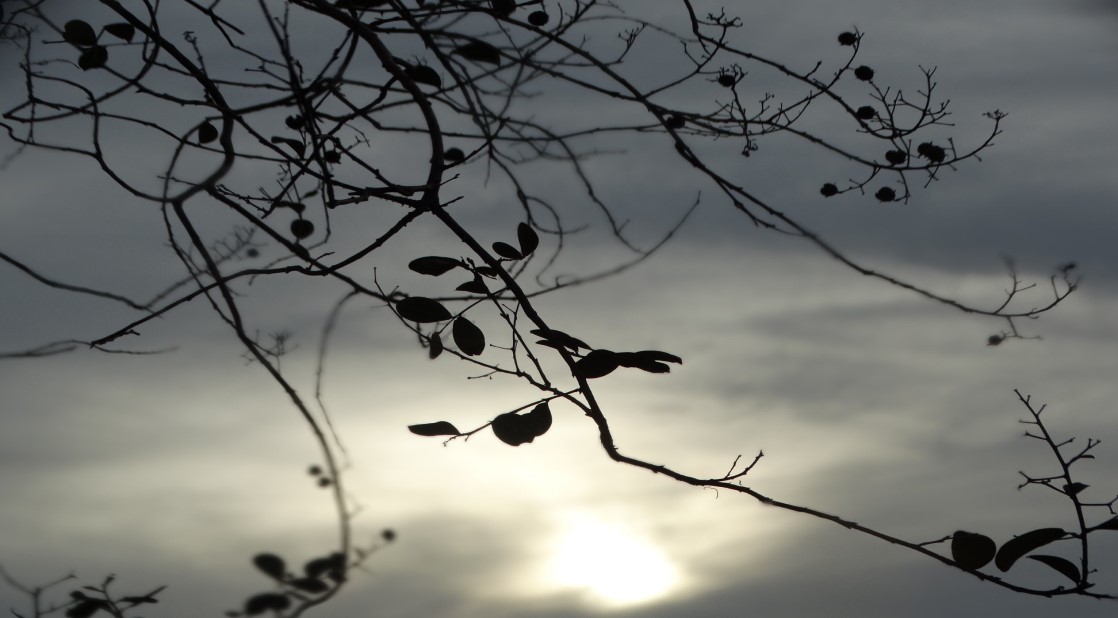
[[869, 402]]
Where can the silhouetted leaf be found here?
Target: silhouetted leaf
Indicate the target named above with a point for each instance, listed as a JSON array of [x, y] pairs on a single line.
[[560, 339], [85, 609], [261, 603], [477, 286], [486, 271], [596, 363], [207, 132], [1074, 488], [538, 421], [121, 31], [528, 238], [434, 265], [318, 566], [79, 33], [972, 551], [632, 360], [1110, 524], [503, 8], [436, 345], [310, 584], [439, 428], [271, 565], [506, 251], [479, 51], [513, 429], [423, 74], [1015, 548], [453, 155], [648, 360], [468, 337], [421, 309], [1063, 565], [293, 144], [93, 58]]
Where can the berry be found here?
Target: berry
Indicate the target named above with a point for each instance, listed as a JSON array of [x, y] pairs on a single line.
[[847, 38], [726, 80], [454, 155], [252, 252], [332, 156], [829, 189], [301, 228], [675, 121], [896, 157], [994, 340], [538, 18], [865, 112], [885, 194], [863, 73]]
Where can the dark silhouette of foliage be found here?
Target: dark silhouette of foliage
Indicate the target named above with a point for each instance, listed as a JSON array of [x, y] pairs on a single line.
[[454, 81]]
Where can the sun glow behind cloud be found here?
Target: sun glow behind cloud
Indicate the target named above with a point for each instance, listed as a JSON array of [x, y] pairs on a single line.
[[611, 564]]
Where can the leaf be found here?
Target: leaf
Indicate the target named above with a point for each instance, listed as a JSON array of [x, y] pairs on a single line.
[[261, 603], [513, 429], [972, 551], [1063, 565], [538, 421], [560, 338], [318, 566], [528, 238], [311, 585], [1110, 524], [293, 144], [1015, 548], [434, 265], [596, 363], [486, 271], [422, 310], [635, 361], [1073, 489], [93, 58], [479, 51], [477, 286], [468, 337], [657, 355], [436, 343], [207, 132], [423, 74], [79, 33], [271, 565], [506, 251], [439, 428], [122, 31], [85, 609]]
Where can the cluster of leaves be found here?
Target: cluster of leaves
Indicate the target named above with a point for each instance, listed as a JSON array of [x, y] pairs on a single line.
[[82, 35]]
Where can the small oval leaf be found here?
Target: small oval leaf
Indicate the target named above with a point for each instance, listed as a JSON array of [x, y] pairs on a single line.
[[270, 564], [93, 58], [1063, 565], [468, 337], [972, 551], [477, 286], [479, 51], [310, 584], [434, 265], [1015, 548], [596, 363], [439, 428], [79, 33], [425, 75], [207, 132], [268, 601], [560, 339], [422, 310], [506, 251], [538, 421], [436, 345], [512, 429], [1110, 524], [528, 239], [122, 31]]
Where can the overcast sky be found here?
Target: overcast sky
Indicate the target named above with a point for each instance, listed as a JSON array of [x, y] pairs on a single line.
[[869, 402]]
